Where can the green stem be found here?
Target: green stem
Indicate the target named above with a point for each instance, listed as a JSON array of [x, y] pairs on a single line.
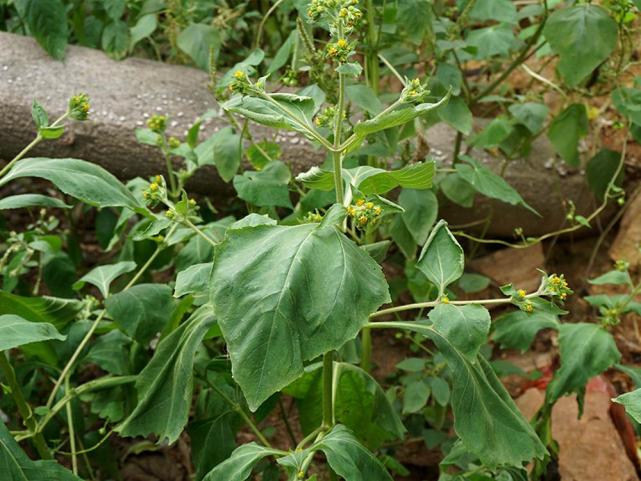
[[72, 433], [422, 305], [23, 407], [31, 145], [198, 231], [261, 26], [366, 349], [328, 380], [94, 326], [170, 168], [239, 409]]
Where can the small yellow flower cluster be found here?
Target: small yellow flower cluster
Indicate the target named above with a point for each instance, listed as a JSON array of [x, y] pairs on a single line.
[[79, 107], [240, 83], [363, 212], [414, 92], [528, 307], [621, 265], [155, 192], [557, 286], [335, 12], [173, 142], [339, 51], [325, 117], [157, 123], [312, 218]]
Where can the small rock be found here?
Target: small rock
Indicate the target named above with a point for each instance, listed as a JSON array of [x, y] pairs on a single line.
[[523, 265], [627, 244], [590, 448]]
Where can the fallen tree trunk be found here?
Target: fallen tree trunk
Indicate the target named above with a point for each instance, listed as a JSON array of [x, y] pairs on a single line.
[[125, 93]]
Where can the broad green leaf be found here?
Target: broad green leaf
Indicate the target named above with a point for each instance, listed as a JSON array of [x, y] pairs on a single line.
[[114, 8], [613, 277], [600, 170], [265, 188], [31, 200], [485, 416], [307, 289], [47, 21], [359, 403], [421, 209], [584, 36], [283, 53], [223, 149], [116, 39], [283, 111], [465, 327], [351, 69], [395, 117], [372, 180], [586, 351], [197, 40], [145, 26], [530, 114], [111, 353], [165, 385], [16, 331], [492, 41], [83, 180], [566, 130], [415, 17], [142, 310], [253, 220], [52, 310], [15, 465], [193, 280], [415, 396], [442, 259], [627, 100], [364, 98], [516, 329], [495, 10], [261, 153], [402, 237], [488, 183], [103, 276], [471, 283], [456, 189], [457, 114], [632, 403], [493, 134], [349, 458], [241, 462]]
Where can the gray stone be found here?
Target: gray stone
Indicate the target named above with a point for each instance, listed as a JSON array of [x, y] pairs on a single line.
[[124, 93]]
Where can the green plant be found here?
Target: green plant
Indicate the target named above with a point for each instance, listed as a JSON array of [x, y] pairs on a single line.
[[208, 324]]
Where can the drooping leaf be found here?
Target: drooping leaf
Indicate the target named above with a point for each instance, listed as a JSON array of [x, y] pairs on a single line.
[[586, 351], [83, 180], [442, 259], [47, 21], [165, 385], [277, 268], [116, 39], [459, 191], [349, 458], [15, 465], [495, 40], [485, 416], [488, 183], [566, 130], [31, 200], [16, 331], [145, 26], [632, 403], [615, 277], [240, 464], [465, 327], [142, 310], [265, 188], [495, 10], [283, 53], [457, 114], [103, 276], [583, 35], [52, 310]]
